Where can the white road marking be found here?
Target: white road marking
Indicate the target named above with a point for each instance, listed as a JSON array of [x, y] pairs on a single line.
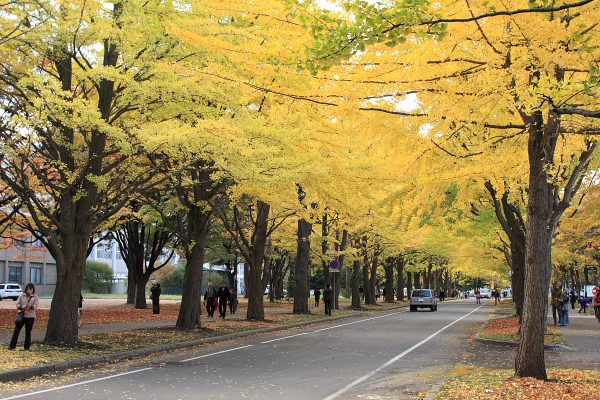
[[393, 360], [330, 327], [75, 384], [356, 322], [285, 337], [214, 354]]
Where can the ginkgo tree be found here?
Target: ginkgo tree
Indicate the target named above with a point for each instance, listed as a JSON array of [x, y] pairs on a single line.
[[485, 74], [75, 92]]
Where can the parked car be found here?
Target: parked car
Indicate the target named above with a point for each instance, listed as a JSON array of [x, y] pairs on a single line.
[[423, 298], [10, 291], [485, 293]]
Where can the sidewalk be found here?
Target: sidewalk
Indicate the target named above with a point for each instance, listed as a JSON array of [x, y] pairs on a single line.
[[583, 336]]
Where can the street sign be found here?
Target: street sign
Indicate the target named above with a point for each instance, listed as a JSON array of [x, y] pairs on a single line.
[[334, 266], [595, 290]]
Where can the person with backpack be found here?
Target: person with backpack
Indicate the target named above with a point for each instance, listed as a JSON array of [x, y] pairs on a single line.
[[27, 304], [210, 299]]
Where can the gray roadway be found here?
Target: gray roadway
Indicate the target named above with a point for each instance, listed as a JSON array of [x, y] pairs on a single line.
[[394, 355]]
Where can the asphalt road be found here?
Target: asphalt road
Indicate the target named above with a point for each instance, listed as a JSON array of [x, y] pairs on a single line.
[[394, 355]]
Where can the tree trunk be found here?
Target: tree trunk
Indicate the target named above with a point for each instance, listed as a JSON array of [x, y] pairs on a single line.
[[341, 259], [356, 284], [246, 278], [257, 275], [409, 284], [400, 279], [130, 288], [140, 293], [518, 279], [301, 268], [365, 281], [325, 249], [373, 278], [530, 361], [417, 280], [389, 280], [428, 276], [70, 263], [189, 311]]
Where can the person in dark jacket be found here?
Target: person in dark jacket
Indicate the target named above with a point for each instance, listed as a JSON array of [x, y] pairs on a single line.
[[317, 297], [223, 294], [155, 292], [233, 301], [327, 299], [210, 298]]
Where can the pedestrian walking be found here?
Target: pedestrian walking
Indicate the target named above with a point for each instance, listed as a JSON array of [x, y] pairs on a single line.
[[573, 298], [210, 299], [477, 296], [223, 295], [496, 295], [555, 294], [563, 305], [155, 292], [317, 297], [327, 299], [442, 294], [233, 301], [597, 305], [27, 303], [80, 311], [583, 302]]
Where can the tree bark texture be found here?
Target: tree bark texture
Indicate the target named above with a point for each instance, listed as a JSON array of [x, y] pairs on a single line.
[[373, 278], [530, 361], [302, 266], [389, 280], [400, 279], [355, 283], [70, 261], [258, 276]]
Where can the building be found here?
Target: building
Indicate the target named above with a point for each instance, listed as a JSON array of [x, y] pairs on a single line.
[[25, 259]]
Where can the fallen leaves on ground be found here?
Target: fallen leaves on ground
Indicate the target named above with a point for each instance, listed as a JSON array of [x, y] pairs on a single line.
[[116, 342], [493, 384], [508, 329]]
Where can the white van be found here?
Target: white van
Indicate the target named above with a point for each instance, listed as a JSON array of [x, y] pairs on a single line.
[[10, 291]]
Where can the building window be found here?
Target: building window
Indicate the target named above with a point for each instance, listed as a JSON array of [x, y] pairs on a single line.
[[36, 275], [15, 274], [103, 250]]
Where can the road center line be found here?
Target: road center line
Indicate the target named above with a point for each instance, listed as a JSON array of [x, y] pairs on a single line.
[[75, 384], [356, 322], [396, 358], [214, 354], [330, 327]]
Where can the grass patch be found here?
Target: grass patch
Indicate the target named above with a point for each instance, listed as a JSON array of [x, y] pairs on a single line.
[[485, 383]]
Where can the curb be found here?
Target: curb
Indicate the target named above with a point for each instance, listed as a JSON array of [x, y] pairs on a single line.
[[22, 374], [515, 344]]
